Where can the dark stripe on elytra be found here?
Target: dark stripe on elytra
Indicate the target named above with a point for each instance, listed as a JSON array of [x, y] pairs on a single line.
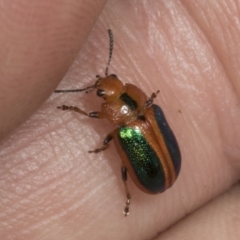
[[169, 137], [143, 159], [132, 104]]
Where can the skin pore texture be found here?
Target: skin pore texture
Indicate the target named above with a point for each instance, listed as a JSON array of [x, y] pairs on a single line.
[[50, 186]]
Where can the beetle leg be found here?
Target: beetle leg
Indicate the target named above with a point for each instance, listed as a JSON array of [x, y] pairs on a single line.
[[150, 100], [106, 141], [128, 196], [76, 109]]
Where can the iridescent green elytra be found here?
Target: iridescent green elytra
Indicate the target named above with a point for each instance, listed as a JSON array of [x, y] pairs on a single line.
[[143, 159], [150, 151]]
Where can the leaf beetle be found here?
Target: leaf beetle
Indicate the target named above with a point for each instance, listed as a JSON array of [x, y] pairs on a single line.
[[143, 139]]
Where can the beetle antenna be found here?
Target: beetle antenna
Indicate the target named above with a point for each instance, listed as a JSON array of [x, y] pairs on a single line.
[[111, 41], [87, 89]]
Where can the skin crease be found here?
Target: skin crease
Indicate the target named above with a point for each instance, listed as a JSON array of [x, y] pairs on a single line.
[[50, 187]]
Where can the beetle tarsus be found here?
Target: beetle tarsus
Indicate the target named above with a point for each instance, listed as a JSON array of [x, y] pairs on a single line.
[[64, 107], [106, 141], [150, 100], [97, 150], [128, 196], [72, 108], [126, 209]]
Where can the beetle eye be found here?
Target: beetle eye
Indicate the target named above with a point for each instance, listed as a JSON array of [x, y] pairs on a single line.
[[113, 75], [100, 92]]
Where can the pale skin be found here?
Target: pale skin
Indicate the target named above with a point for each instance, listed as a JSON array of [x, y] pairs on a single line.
[[50, 186]]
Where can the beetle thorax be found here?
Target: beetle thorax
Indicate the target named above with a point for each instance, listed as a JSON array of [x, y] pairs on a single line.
[[128, 106]]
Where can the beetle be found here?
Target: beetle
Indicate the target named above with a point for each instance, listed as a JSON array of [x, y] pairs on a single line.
[[143, 139]]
